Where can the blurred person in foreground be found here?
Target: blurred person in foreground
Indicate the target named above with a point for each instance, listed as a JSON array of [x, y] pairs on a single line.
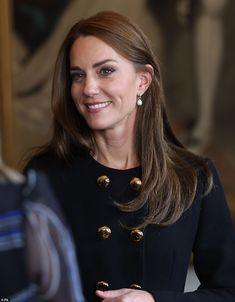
[[37, 256]]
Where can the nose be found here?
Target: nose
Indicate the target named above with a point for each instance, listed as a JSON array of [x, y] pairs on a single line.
[[90, 87]]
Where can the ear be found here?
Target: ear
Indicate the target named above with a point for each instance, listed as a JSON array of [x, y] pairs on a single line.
[[145, 76]]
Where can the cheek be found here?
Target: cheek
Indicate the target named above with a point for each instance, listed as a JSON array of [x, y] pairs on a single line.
[[75, 97], [127, 88], [75, 94], [129, 92]]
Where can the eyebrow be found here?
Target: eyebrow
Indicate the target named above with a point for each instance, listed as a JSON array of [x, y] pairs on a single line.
[[94, 65], [103, 62]]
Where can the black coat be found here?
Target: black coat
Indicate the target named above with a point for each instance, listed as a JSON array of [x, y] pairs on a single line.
[[159, 262]]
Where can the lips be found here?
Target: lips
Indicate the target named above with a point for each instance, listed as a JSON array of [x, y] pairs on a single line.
[[98, 105]]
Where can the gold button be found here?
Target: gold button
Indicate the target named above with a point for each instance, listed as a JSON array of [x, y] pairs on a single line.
[[135, 184], [103, 181], [104, 232], [135, 286], [102, 285], [136, 235]]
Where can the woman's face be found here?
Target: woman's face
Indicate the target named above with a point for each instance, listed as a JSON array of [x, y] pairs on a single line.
[[104, 84]]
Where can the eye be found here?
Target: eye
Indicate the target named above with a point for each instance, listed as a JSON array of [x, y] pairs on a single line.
[[77, 76], [106, 71]]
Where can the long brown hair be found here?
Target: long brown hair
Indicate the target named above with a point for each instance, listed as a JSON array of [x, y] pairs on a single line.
[[169, 171]]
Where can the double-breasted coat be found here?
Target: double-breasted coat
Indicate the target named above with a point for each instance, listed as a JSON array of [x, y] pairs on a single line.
[[113, 254]]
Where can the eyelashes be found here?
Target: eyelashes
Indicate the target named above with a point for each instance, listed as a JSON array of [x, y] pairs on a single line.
[[106, 71], [79, 75], [76, 76]]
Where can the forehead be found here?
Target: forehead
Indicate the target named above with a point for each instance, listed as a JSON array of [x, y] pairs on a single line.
[[92, 49]]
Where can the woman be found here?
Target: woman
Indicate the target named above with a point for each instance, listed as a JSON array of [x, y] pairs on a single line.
[[137, 201]]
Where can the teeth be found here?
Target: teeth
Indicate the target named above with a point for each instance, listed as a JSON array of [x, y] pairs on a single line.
[[96, 106]]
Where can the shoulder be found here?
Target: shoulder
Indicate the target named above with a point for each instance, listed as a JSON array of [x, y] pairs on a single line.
[[208, 173], [44, 162], [214, 199], [54, 166], [209, 186]]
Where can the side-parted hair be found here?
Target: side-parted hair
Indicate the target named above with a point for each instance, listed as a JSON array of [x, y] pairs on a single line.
[[169, 171]]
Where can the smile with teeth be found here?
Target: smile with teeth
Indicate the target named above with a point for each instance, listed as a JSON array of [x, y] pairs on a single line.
[[97, 106]]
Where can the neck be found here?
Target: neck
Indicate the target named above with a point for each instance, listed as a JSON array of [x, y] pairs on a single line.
[[115, 149]]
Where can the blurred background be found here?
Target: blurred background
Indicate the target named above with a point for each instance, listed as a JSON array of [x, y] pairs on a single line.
[[193, 41]]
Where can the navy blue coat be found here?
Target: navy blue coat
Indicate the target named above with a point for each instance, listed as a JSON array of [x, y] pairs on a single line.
[[158, 262]]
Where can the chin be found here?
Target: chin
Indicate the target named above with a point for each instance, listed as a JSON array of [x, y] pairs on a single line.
[[98, 127]]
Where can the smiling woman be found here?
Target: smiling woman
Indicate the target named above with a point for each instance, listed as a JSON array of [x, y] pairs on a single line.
[[105, 86], [138, 202]]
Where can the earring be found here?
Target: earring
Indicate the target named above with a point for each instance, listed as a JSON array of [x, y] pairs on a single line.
[[139, 101]]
